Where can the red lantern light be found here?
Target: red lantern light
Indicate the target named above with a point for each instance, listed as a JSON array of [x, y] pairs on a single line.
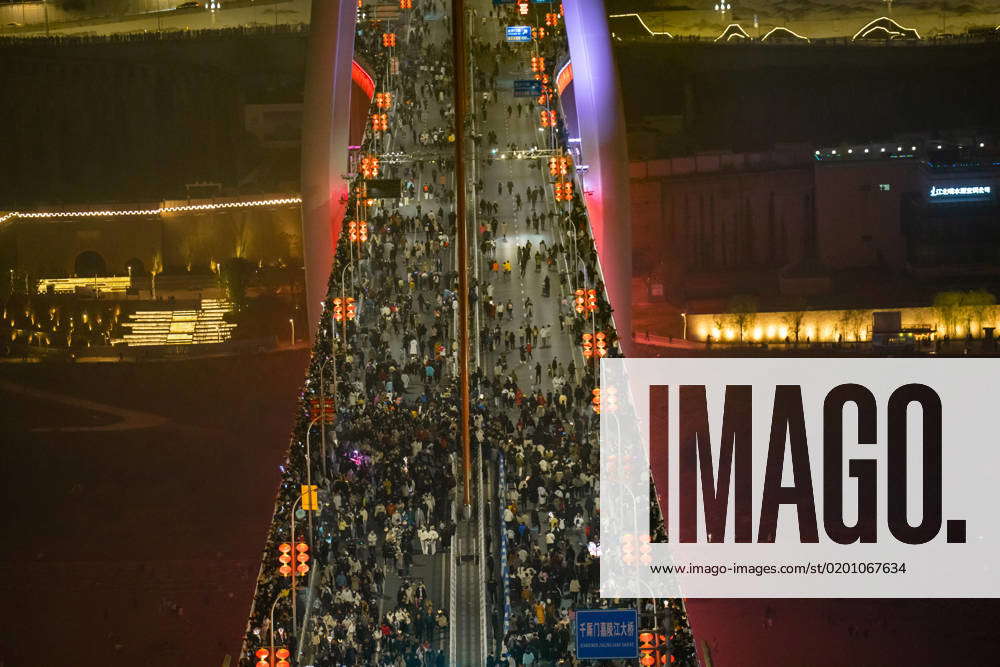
[[302, 557], [369, 166], [285, 558], [564, 190]]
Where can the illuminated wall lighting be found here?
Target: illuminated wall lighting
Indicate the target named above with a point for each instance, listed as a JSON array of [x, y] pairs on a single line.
[[112, 213], [642, 23], [891, 28], [179, 327], [107, 284], [780, 31]]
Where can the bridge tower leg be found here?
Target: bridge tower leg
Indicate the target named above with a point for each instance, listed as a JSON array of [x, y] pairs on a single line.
[[601, 119], [326, 115]]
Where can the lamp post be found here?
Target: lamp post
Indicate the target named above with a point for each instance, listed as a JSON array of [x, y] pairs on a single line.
[[309, 470], [271, 615], [722, 7], [291, 321], [287, 549], [343, 296], [322, 394], [684, 316]]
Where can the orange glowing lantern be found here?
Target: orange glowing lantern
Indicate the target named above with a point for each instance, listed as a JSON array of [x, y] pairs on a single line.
[[285, 558], [303, 558]]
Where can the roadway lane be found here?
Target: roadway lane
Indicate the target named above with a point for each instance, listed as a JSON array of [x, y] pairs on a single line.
[[523, 226], [414, 254]]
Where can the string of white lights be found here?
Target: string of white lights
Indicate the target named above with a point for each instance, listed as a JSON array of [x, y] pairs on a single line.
[[651, 32], [111, 213]]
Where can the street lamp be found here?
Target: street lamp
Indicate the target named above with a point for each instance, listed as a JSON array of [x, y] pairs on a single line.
[[282, 653], [322, 389], [309, 467], [684, 316], [723, 7], [349, 314], [289, 556], [291, 320]]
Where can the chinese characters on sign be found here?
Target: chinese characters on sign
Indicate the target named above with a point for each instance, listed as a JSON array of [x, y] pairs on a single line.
[[604, 634], [519, 33], [961, 193]]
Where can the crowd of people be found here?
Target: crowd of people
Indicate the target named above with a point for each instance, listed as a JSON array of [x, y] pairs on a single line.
[[387, 484], [387, 493]]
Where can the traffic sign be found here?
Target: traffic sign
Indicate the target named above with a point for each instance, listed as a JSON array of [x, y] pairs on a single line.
[[606, 634], [519, 33], [310, 501], [527, 88]]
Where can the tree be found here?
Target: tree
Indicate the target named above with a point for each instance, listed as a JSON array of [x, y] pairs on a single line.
[[852, 322], [948, 306], [192, 245], [239, 226], [794, 318], [234, 274], [155, 269], [743, 312], [719, 321], [977, 305]]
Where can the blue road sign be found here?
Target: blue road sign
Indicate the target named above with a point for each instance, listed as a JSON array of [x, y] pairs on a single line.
[[519, 33], [527, 88], [606, 634]]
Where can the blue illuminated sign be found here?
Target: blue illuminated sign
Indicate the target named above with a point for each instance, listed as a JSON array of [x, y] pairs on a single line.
[[519, 33], [607, 634], [527, 88], [960, 193]]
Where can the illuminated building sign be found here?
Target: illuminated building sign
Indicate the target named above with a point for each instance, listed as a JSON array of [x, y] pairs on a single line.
[[960, 193], [565, 77], [519, 33]]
